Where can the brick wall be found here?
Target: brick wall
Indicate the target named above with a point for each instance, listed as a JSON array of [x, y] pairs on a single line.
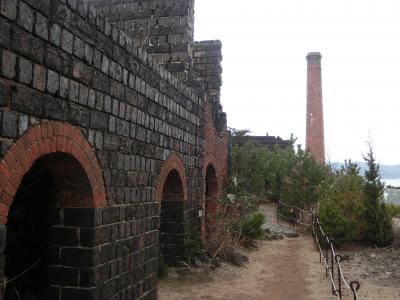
[[72, 82], [163, 27]]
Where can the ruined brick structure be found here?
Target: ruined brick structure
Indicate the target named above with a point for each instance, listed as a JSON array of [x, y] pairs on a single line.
[[268, 142], [315, 113], [108, 152]]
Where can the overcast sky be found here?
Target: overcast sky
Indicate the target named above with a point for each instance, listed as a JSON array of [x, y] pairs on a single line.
[[264, 45]]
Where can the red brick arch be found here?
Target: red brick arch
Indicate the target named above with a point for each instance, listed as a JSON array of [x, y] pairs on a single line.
[[49, 138], [211, 160], [173, 162]]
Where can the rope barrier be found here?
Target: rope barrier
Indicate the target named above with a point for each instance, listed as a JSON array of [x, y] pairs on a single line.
[[334, 258]]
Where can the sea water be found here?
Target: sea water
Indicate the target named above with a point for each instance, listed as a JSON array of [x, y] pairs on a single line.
[[392, 182]]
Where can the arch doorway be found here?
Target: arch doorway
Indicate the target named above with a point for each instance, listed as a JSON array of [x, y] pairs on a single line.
[[211, 193], [172, 220], [51, 186], [37, 238]]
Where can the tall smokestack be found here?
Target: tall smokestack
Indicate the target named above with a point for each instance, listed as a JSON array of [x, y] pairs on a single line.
[[315, 113]]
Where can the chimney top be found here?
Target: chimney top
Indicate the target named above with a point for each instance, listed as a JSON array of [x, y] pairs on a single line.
[[314, 55]]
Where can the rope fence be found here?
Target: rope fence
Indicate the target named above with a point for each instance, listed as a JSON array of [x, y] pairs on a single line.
[[327, 254]]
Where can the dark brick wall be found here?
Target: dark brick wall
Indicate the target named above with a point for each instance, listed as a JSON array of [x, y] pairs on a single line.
[[61, 60], [163, 27]]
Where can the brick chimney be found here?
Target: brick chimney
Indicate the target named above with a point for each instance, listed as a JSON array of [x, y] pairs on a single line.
[[315, 113]]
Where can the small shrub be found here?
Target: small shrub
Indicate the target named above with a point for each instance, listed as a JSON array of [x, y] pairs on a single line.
[[192, 243], [250, 227], [162, 268], [335, 224], [393, 210]]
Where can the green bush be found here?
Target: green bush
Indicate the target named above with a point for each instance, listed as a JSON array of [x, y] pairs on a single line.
[[335, 224], [192, 243], [379, 222], [250, 227], [393, 210], [162, 268]]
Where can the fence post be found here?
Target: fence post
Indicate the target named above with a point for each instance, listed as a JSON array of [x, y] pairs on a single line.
[[337, 258]]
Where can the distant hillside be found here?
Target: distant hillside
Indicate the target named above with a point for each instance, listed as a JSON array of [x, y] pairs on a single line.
[[387, 172]]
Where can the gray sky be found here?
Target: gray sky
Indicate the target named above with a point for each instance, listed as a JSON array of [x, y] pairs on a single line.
[[264, 45]]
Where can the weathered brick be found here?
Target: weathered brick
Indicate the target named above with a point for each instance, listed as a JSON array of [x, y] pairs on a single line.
[[64, 87], [9, 124], [39, 77], [25, 17], [25, 70], [8, 8], [74, 91], [67, 41], [23, 124], [27, 100], [99, 120], [4, 33], [42, 26], [8, 64], [83, 95], [53, 82], [55, 34], [59, 275]]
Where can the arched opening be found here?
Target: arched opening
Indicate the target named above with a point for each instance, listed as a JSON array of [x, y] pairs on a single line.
[[211, 193], [42, 251], [172, 221]]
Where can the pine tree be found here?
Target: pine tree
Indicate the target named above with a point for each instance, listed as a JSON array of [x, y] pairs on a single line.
[[379, 224]]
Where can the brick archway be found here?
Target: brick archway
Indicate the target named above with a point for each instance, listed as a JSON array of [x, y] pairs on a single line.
[[212, 190], [173, 162], [171, 194], [210, 160], [43, 139]]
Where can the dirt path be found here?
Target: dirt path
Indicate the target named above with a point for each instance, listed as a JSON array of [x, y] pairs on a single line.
[[278, 270], [284, 270]]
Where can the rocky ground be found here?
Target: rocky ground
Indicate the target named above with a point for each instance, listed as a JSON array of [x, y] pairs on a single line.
[[377, 270]]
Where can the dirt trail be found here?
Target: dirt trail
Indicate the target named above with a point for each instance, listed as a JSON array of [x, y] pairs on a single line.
[[284, 270], [278, 270]]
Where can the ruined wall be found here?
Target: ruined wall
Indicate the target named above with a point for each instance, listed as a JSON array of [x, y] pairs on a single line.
[[164, 28], [206, 80], [62, 62]]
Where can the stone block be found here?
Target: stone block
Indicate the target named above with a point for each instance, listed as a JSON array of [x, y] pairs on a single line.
[[8, 64], [53, 82], [27, 100], [8, 8], [57, 59], [9, 124], [39, 77], [74, 91], [5, 94], [55, 34], [25, 17], [99, 120], [62, 236], [67, 41], [23, 124], [42, 26], [83, 95], [64, 87], [63, 276], [4, 33], [82, 217], [79, 257], [25, 71]]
